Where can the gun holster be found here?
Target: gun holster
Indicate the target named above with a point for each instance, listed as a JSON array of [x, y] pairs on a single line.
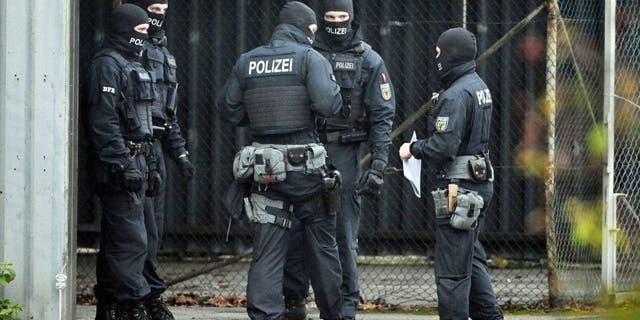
[[332, 189]]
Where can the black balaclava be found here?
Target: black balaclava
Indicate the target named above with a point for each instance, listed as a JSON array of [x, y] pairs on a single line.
[[457, 53], [122, 35], [299, 15], [155, 19], [337, 32]]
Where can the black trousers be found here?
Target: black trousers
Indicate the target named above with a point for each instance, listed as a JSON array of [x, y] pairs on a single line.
[[123, 245], [264, 288], [346, 158], [154, 225], [462, 277]]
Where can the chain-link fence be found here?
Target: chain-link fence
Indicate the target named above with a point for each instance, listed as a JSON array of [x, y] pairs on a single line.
[[396, 238], [627, 144], [578, 165]]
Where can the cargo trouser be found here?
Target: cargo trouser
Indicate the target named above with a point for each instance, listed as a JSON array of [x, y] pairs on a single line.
[[462, 277], [123, 245], [264, 289], [346, 158], [154, 223]]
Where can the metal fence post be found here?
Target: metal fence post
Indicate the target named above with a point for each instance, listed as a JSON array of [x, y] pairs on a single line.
[[608, 228], [552, 246]]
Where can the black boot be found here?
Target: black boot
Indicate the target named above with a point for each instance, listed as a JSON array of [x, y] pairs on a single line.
[[132, 311], [157, 310], [107, 311], [296, 310]]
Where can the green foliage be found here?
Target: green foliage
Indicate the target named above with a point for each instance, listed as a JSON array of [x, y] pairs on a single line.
[[8, 309]]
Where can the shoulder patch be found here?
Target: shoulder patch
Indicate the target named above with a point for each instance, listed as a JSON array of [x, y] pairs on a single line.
[[111, 90], [385, 88], [442, 123]]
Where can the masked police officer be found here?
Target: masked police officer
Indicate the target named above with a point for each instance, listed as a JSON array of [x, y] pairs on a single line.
[[121, 94], [457, 152], [280, 88], [157, 59], [367, 114]]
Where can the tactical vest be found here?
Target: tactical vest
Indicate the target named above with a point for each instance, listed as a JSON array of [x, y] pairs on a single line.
[[162, 65], [275, 94], [134, 107], [350, 76]]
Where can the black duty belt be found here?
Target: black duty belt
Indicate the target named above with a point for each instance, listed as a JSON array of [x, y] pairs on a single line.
[[343, 136], [138, 148]]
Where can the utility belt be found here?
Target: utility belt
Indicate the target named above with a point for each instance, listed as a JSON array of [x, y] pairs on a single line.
[[261, 209], [461, 206], [138, 148], [474, 168], [269, 163]]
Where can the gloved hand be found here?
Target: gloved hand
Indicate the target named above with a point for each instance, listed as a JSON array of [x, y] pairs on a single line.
[[186, 167], [370, 183], [132, 178], [155, 182]]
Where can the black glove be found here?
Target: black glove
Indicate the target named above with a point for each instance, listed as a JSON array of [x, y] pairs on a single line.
[[132, 178], [155, 182], [370, 183], [187, 168]]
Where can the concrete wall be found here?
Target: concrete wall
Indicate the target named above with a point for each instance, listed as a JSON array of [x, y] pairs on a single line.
[[38, 129]]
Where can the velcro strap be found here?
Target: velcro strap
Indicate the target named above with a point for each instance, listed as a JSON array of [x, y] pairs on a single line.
[[266, 217]]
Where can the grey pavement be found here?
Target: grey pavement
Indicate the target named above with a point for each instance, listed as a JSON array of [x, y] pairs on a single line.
[[84, 312]]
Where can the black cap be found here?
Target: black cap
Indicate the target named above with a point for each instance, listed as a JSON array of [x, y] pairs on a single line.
[[298, 14], [126, 17], [337, 5]]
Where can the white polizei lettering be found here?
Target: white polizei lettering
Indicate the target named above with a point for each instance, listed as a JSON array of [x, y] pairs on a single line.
[[287, 65], [137, 42], [261, 66], [345, 65], [484, 96], [487, 96], [271, 66], [156, 22], [480, 95], [336, 31]]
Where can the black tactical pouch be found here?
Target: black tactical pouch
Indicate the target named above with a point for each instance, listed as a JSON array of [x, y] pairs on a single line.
[[297, 156], [128, 113], [170, 104], [332, 186], [269, 166], [142, 85], [479, 170]]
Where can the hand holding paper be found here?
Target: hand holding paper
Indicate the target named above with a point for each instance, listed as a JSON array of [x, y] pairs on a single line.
[[411, 166]]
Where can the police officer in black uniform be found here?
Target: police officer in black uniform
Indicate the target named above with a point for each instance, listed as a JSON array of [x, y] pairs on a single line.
[[280, 88], [368, 109], [157, 59], [460, 175], [121, 94]]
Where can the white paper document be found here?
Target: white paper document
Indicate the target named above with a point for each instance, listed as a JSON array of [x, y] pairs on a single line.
[[411, 168]]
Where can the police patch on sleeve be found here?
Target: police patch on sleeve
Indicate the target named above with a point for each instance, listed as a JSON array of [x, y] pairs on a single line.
[[442, 123], [107, 89], [385, 88]]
